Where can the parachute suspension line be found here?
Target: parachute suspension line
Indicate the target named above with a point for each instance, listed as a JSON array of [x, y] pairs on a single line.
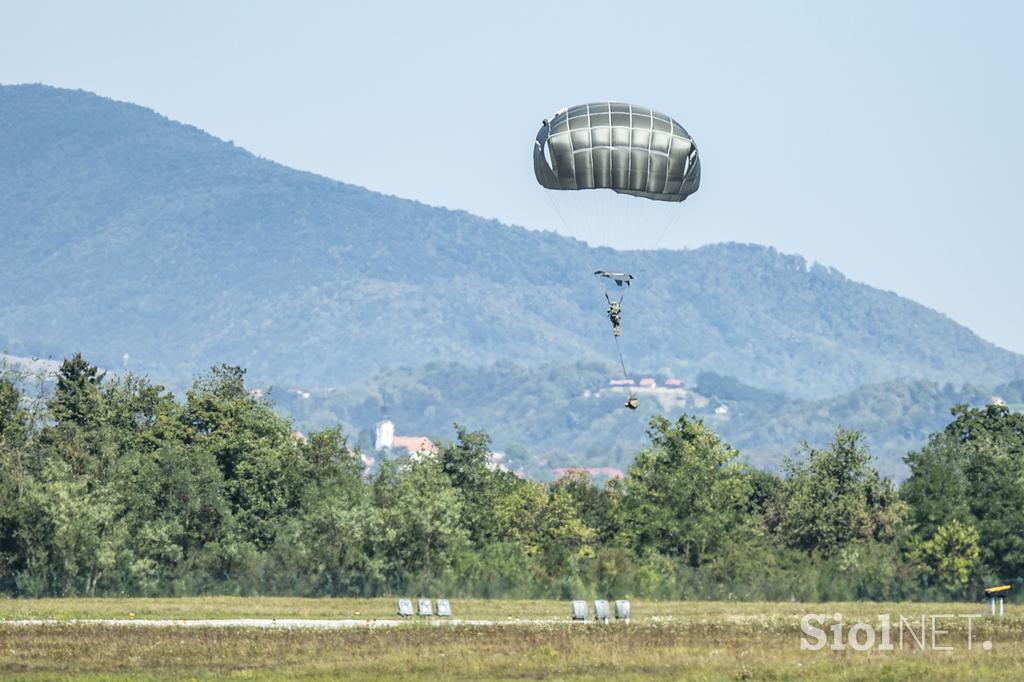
[[590, 267], [668, 223], [625, 374], [561, 216], [565, 223]]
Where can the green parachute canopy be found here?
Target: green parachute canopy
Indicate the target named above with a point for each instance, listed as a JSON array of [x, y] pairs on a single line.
[[622, 147]]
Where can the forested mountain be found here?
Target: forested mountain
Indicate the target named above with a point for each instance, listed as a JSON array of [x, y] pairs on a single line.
[[125, 232]]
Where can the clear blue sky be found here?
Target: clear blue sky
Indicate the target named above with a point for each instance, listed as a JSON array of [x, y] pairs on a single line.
[[885, 139]]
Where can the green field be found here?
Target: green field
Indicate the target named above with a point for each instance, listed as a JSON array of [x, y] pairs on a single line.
[[666, 640]]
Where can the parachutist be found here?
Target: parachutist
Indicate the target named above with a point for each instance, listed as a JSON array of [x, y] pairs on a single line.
[[621, 148], [615, 315]]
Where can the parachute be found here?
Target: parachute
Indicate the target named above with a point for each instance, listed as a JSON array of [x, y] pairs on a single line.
[[622, 147], [631, 151]]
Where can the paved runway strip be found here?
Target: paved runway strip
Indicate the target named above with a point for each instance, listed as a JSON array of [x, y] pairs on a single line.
[[271, 623]]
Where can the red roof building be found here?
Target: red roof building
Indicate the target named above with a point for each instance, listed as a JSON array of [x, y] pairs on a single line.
[[414, 444]]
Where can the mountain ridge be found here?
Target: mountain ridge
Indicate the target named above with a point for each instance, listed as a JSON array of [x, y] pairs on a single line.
[[128, 232]]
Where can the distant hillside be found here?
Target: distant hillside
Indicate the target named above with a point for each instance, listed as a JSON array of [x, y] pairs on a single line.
[[557, 416], [125, 232]]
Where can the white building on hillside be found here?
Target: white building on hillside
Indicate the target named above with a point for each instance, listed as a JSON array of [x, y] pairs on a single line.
[[385, 437]]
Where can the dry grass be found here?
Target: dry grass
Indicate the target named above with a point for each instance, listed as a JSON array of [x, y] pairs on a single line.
[[691, 641]]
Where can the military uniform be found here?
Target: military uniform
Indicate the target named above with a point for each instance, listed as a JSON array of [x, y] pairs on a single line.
[[615, 315]]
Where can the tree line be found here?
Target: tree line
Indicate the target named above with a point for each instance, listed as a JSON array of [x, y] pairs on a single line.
[[113, 486]]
